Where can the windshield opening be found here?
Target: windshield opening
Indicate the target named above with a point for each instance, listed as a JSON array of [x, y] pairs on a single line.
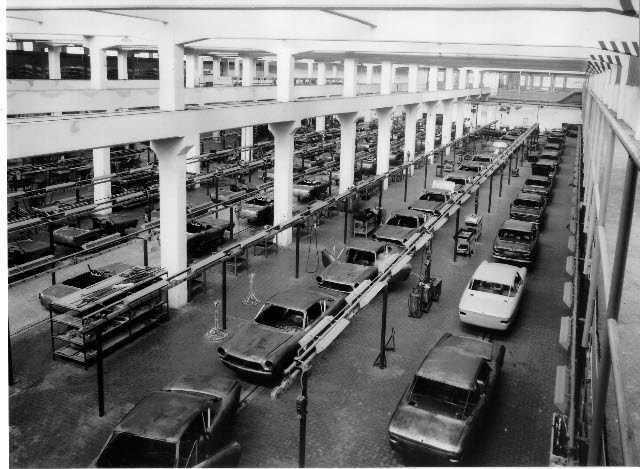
[[355, 256], [282, 318], [536, 182], [515, 236], [125, 450], [403, 221], [432, 197], [491, 287], [527, 203]]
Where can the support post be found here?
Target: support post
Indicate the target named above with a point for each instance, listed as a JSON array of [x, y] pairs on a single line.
[[455, 236], [10, 358], [406, 182], [490, 192], [382, 364], [301, 408], [476, 201], [145, 252], [426, 169], [380, 202], [501, 176], [217, 193], [224, 295], [100, 372], [297, 251], [509, 174], [230, 223], [346, 217]]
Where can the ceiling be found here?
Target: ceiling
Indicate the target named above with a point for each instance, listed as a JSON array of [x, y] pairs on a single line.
[[554, 35]]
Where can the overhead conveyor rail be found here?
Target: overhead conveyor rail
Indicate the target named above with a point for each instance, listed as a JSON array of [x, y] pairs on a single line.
[[602, 132], [326, 332]]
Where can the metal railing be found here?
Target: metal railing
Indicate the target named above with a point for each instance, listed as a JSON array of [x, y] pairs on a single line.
[[602, 130]]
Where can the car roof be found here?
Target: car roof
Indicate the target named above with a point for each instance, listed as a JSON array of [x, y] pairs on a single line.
[[162, 415], [456, 361], [496, 273], [406, 212], [529, 196], [518, 225], [296, 298], [463, 174]]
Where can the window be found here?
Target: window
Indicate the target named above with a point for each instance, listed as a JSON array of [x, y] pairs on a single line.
[[546, 82], [536, 81], [125, 450], [574, 82], [355, 256], [558, 83], [314, 312], [523, 81], [191, 449]]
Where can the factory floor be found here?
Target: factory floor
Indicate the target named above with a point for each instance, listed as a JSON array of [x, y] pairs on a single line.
[[53, 405]]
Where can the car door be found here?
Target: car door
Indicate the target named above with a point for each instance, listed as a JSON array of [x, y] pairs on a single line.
[[195, 443]]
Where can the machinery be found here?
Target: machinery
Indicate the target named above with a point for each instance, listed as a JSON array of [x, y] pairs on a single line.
[[426, 291]]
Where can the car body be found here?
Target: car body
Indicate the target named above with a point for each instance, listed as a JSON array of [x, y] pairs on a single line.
[[73, 237], [460, 178], [484, 158], [499, 145], [257, 210], [528, 207], [559, 147], [114, 223], [544, 167], [516, 241], [27, 250], [472, 166], [401, 225], [306, 189], [266, 346], [184, 425], [431, 201], [227, 195], [443, 409], [547, 154], [493, 295], [538, 185]]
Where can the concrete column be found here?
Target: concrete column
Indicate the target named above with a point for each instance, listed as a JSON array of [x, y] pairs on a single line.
[[286, 65], [430, 128], [447, 116], [320, 122], [369, 80], [246, 139], [123, 72], [54, 62], [283, 174], [412, 84], [322, 73], [384, 142], [193, 141], [200, 71], [236, 67], [335, 71], [172, 166], [191, 63], [622, 86], [448, 78], [462, 78], [386, 77], [265, 68], [476, 78], [349, 88], [347, 148], [247, 71], [102, 168], [310, 69], [171, 59], [411, 112], [460, 105], [433, 78], [98, 61]]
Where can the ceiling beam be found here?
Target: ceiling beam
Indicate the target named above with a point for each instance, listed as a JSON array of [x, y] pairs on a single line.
[[349, 17], [128, 15], [14, 17]]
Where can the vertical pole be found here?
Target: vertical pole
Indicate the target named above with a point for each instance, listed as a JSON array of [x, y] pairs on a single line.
[[346, 214], [100, 372], [490, 192], [330, 181], [455, 236], [145, 252], [52, 245], [382, 364], [476, 201], [217, 193], [406, 182], [231, 223], [224, 295], [509, 174], [297, 251], [148, 207], [501, 176], [426, 168], [380, 201], [302, 415], [77, 195], [10, 359], [516, 160], [53, 277]]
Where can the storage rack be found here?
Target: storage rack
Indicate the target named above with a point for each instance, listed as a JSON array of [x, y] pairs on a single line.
[[125, 305]]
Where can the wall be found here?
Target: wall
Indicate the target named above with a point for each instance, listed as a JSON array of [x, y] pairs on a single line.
[[548, 117]]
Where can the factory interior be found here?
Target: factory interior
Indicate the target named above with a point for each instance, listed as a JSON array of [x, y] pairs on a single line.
[[350, 233]]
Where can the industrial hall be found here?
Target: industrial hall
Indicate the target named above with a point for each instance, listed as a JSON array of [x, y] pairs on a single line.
[[322, 233]]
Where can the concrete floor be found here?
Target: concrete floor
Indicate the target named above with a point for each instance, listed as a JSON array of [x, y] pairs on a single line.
[[53, 405]]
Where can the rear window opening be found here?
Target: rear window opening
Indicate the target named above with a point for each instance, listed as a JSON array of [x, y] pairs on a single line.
[[125, 450], [442, 398], [515, 236], [491, 287], [527, 203], [537, 183], [403, 221], [431, 197], [282, 318], [366, 258]]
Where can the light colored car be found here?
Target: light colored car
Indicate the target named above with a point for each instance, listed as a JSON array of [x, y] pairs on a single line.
[[493, 296]]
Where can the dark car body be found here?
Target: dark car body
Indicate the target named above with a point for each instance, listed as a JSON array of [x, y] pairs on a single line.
[[401, 225], [184, 425], [27, 250], [516, 241], [472, 166], [538, 185], [460, 178], [264, 347], [547, 154], [545, 167], [431, 201], [442, 410], [528, 207], [258, 210], [306, 189], [559, 147]]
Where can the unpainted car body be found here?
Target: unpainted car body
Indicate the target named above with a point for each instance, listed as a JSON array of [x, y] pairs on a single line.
[[401, 225], [516, 241], [431, 201], [528, 207]]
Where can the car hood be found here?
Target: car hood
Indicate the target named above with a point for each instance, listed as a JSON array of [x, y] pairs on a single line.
[[536, 189], [512, 246], [426, 206], [346, 274], [528, 210], [487, 303], [255, 342], [427, 428], [394, 233]]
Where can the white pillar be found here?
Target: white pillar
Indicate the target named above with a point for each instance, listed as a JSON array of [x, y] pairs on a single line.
[[411, 111], [335, 71], [347, 148], [123, 72], [462, 78], [102, 168], [310, 69], [433, 78], [622, 87], [265, 68], [350, 77], [193, 141], [284, 85], [98, 61], [236, 67], [476, 78], [430, 128], [171, 60], [412, 76], [320, 123], [246, 140], [386, 77], [384, 142], [447, 116], [247, 71], [369, 80], [283, 174], [191, 61], [172, 168], [448, 78], [54, 62], [460, 105], [322, 73]]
